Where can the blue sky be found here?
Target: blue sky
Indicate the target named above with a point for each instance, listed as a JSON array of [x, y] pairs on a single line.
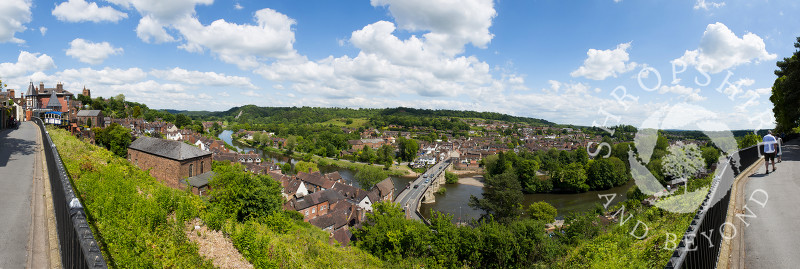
[[563, 61]]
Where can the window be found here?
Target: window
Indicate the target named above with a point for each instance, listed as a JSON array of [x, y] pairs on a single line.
[[201, 167], [313, 210], [306, 213], [191, 167]]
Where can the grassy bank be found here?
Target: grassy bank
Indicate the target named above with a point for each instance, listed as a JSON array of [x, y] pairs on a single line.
[[140, 222]]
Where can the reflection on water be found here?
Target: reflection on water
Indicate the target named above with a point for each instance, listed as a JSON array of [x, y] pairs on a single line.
[[456, 200]]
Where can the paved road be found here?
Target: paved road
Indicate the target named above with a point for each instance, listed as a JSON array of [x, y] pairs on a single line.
[[17, 155], [408, 198], [773, 238]]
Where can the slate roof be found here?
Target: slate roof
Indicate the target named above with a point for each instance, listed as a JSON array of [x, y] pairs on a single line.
[[167, 148], [53, 100], [317, 198], [200, 180], [316, 179], [89, 113], [334, 219]]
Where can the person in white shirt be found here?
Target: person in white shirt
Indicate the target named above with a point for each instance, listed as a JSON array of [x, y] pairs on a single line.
[[770, 146]]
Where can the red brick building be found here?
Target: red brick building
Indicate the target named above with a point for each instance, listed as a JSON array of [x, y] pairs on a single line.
[[169, 161]]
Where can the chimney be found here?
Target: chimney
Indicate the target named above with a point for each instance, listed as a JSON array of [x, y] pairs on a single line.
[[41, 86], [60, 87]]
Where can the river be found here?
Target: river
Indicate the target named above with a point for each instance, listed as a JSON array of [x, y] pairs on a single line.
[[456, 199]]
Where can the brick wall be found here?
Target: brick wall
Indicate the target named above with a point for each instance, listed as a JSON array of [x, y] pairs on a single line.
[[168, 171], [315, 211]]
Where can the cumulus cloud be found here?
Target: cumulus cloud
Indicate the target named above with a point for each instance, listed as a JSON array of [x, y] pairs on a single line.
[[105, 76], [687, 93], [702, 4], [251, 93], [14, 14], [720, 49], [242, 44], [80, 11], [26, 63], [601, 64], [43, 30], [202, 78], [90, 52], [451, 23], [157, 15]]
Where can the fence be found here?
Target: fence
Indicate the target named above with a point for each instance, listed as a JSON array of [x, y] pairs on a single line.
[[701, 243], [79, 249]]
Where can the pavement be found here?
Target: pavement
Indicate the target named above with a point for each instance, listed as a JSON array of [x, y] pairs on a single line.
[[24, 236], [772, 238]]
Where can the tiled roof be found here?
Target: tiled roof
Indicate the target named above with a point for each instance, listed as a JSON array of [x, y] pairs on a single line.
[[385, 187], [200, 180], [167, 148], [316, 179]]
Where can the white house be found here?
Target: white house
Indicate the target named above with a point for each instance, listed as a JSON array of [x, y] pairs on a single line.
[[177, 136]]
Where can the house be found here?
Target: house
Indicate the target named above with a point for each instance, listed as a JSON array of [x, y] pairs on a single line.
[[315, 204], [385, 190], [315, 181], [169, 161], [175, 136], [91, 118], [48, 99], [357, 196]]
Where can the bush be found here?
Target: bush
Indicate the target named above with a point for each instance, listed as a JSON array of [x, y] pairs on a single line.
[[542, 211], [450, 178]]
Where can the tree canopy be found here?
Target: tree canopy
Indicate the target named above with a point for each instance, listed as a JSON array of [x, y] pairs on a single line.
[[786, 92]]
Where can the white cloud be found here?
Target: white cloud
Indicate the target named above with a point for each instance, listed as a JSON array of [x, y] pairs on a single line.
[[106, 76], [159, 14], [202, 78], [237, 6], [80, 10], [557, 87], [690, 94], [14, 14], [242, 44], [26, 63], [601, 64], [90, 52], [43, 30], [452, 23], [224, 94], [151, 30], [721, 49], [251, 93], [702, 4]]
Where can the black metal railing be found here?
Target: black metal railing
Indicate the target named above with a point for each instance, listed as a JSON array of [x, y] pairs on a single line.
[[700, 245], [79, 249]]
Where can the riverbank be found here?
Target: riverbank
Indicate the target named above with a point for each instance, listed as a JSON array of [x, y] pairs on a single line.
[[476, 181]]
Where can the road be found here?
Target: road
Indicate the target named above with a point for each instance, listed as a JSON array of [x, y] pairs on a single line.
[[410, 197], [773, 240], [17, 157]]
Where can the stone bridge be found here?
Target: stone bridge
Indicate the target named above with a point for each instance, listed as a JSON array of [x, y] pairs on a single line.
[[419, 191]]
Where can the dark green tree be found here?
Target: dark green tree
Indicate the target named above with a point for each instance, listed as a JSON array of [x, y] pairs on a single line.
[[182, 120], [369, 175], [502, 197], [243, 195], [786, 92]]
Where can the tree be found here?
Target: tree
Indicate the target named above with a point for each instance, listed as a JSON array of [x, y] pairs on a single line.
[[450, 178], [606, 173], [291, 143], [369, 175], [786, 92], [137, 112], [306, 167], [408, 149], [386, 154], [683, 161], [502, 198], [571, 177], [710, 155], [243, 195], [115, 138], [182, 120], [542, 211], [530, 181]]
